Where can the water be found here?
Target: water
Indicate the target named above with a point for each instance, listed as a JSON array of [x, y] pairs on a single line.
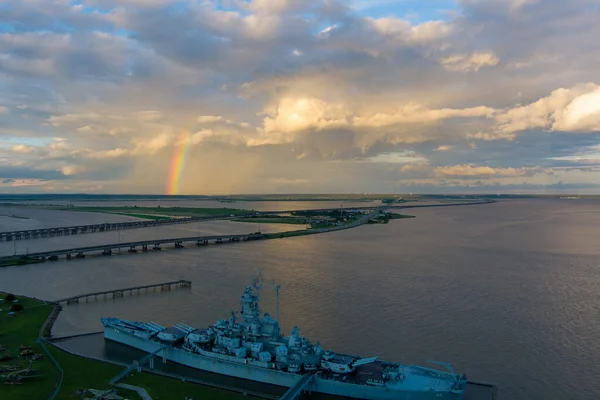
[[247, 205], [507, 292]]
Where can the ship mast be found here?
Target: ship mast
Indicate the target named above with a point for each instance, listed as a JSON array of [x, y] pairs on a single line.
[[258, 284], [277, 303]]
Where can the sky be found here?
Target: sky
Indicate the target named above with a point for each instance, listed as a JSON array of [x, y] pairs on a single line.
[[297, 96]]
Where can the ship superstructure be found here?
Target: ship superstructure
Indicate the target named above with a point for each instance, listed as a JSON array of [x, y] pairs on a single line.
[[249, 345]]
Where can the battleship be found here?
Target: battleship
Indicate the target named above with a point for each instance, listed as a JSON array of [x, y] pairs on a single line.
[[249, 345]]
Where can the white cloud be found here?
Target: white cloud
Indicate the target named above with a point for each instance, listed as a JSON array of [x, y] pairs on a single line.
[[21, 148], [293, 114], [202, 135], [209, 118], [401, 29], [414, 113], [72, 169], [576, 109]]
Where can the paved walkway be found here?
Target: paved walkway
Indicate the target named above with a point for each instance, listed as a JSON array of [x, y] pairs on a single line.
[[142, 392]]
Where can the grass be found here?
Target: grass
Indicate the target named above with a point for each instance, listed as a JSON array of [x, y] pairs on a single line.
[[83, 373], [9, 262], [275, 220], [176, 389], [387, 217], [287, 234], [79, 372], [23, 329], [400, 216]]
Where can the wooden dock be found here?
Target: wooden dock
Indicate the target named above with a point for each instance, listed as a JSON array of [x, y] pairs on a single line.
[[121, 292]]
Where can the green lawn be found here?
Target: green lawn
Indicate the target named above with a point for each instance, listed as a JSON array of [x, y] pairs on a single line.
[[18, 261], [178, 390], [83, 373], [23, 329]]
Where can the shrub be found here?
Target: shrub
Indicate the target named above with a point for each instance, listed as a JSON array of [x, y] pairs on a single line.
[[9, 297]]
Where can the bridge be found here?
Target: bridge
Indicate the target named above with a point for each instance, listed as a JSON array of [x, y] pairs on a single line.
[[137, 364], [120, 292], [155, 245], [145, 245], [178, 243], [81, 229], [295, 391]]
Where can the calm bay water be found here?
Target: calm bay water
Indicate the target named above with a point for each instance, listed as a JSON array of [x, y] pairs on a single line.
[[507, 292]]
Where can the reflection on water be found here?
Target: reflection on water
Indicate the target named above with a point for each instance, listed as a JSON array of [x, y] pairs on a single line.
[[507, 292]]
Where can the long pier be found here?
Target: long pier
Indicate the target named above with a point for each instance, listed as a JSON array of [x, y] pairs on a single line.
[[106, 227], [120, 292]]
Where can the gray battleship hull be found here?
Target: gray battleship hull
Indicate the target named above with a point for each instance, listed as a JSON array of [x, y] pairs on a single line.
[[269, 376]]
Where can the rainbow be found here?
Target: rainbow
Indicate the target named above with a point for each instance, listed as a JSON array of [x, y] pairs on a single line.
[[180, 152]]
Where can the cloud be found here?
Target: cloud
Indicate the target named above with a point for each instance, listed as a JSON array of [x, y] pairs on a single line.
[[296, 114], [153, 145], [118, 152], [150, 116], [576, 109], [209, 118], [21, 148], [470, 171], [412, 114], [492, 135], [72, 169], [469, 62], [290, 95], [403, 30]]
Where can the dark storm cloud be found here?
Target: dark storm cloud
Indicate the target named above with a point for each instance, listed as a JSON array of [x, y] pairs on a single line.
[[12, 173]]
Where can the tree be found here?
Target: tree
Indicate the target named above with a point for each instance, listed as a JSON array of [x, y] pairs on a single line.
[[9, 297], [16, 307]]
